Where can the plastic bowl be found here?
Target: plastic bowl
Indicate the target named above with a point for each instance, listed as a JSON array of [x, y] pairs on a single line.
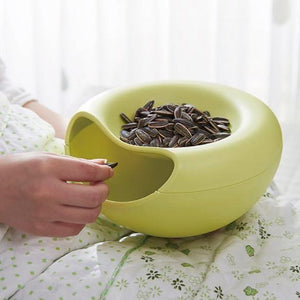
[[179, 192]]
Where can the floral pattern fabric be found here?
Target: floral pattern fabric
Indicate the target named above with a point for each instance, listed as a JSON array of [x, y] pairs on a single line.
[[255, 257]]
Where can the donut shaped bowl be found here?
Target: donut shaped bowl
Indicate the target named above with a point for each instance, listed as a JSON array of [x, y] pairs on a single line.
[[180, 192]]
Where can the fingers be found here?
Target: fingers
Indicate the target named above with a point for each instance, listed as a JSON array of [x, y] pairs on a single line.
[[73, 203], [61, 220], [79, 195], [100, 161], [77, 215], [56, 229], [73, 169], [61, 229]]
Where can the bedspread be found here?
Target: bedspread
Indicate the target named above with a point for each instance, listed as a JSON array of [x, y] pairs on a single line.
[[255, 257]]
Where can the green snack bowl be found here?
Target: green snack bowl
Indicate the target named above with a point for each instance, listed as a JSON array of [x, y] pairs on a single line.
[[180, 192]]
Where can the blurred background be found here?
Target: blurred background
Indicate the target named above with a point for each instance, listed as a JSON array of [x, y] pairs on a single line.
[[65, 51]]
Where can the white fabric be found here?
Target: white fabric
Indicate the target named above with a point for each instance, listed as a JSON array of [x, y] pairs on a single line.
[[66, 50], [22, 130], [14, 94]]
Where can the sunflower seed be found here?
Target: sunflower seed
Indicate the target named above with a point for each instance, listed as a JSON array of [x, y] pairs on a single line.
[[125, 118], [164, 113], [153, 132], [207, 141], [124, 139], [200, 119], [138, 112], [132, 134], [151, 117], [155, 143], [177, 112], [144, 113], [173, 140], [129, 125], [181, 142], [197, 111], [220, 135], [163, 120], [186, 116], [111, 164], [197, 138], [165, 133], [158, 124], [125, 133], [170, 127], [166, 141], [184, 122], [142, 122], [143, 136], [220, 120], [223, 127], [182, 130], [209, 129], [138, 142], [189, 108], [149, 105], [170, 107], [212, 124]]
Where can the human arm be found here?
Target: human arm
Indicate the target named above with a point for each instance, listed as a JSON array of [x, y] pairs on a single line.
[[57, 121], [36, 196]]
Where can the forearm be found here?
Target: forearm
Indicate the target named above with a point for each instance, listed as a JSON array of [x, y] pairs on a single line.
[[53, 118]]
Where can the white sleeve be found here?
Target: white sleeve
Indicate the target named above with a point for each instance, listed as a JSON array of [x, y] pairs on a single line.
[[15, 95]]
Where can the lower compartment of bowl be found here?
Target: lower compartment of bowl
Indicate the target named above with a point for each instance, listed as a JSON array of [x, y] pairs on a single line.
[[189, 214]]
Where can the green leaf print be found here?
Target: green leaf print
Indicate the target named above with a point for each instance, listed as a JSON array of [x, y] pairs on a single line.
[[153, 275], [187, 265], [249, 291], [230, 226], [295, 269], [241, 226], [178, 284], [149, 253], [250, 250], [262, 232], [172, 245], [254, 271], [218, 290], [186, 251], [147, 258], [268, 195]]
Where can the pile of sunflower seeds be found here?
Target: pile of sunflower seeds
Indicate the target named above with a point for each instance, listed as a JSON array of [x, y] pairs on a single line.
[[172, 125]]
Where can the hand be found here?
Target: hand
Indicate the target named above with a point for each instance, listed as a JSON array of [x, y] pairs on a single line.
[[36, 196]]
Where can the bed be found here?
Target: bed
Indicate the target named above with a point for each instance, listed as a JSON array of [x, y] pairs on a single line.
[[255, 257]]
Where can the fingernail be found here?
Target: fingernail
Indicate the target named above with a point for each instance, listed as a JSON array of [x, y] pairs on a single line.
[[99, 160]]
